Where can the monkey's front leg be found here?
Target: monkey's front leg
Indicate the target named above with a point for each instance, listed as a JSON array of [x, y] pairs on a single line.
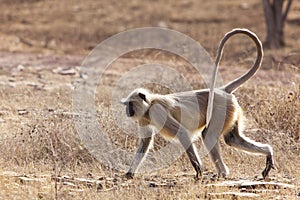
[[139, 155], [195, 160], [164, 121], [184, 138]]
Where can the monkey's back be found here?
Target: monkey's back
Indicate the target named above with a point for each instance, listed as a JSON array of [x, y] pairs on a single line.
[[189, 108]]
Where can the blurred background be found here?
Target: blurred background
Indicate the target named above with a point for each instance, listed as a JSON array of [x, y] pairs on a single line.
[[77, 26]]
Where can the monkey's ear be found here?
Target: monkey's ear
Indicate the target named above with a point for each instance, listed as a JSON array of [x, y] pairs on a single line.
[[123, 101], [143, 96]]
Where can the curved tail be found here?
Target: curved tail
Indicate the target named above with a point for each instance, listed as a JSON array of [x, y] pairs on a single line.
[[233, 85]]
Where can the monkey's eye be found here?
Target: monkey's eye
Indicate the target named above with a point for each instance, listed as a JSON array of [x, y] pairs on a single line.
[[142, 96]]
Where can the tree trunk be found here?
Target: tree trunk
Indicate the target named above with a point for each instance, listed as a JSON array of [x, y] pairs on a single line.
[[275, 18]]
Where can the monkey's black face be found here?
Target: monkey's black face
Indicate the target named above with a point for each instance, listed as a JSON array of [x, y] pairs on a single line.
[[136, 104], [129, 109]]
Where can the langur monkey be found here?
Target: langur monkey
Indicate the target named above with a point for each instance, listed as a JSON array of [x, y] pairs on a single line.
[[177, 117]]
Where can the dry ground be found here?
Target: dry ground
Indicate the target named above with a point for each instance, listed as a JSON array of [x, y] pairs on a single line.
[[42, 45]]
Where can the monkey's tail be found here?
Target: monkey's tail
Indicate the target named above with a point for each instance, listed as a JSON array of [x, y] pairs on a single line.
[[233, 85]]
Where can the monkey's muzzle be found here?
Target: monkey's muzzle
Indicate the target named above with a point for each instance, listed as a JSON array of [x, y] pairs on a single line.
[[129, 108]]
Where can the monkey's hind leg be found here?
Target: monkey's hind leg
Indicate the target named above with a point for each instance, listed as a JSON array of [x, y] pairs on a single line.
[[238, 140], [212, 144]]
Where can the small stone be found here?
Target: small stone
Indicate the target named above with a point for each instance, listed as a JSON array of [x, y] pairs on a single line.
[[20, 67], [162, 24], [152, 184], [22, 111], [65, 71]]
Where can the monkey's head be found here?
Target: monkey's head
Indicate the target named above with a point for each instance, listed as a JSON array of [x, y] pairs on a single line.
[[136, 103]]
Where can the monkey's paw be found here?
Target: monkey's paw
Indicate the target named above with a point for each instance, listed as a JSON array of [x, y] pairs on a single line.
[[269, 166], [128, 175], [198, 177]]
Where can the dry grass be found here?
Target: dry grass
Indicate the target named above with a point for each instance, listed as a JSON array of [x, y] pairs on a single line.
[[43, 157]]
